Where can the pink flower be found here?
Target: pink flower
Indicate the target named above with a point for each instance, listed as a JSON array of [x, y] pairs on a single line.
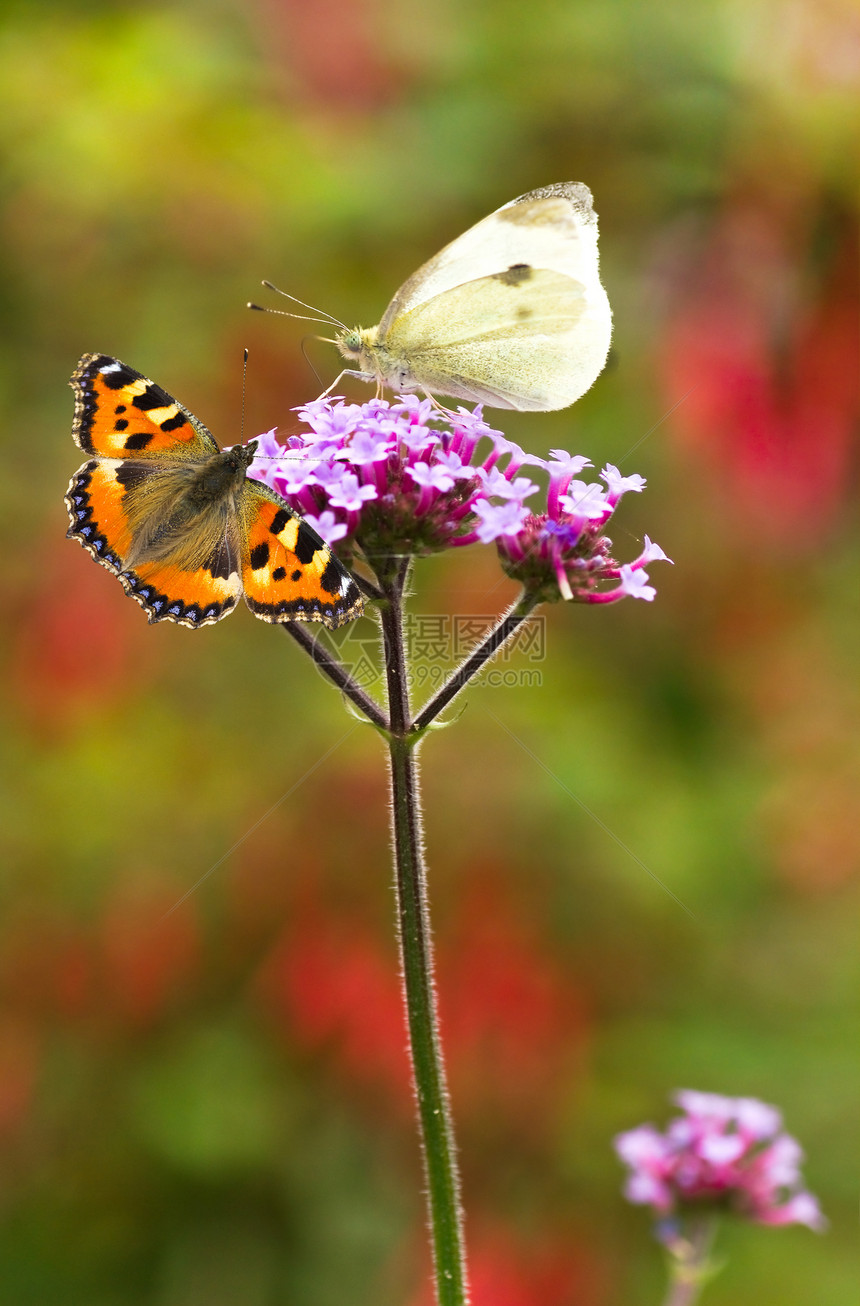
[[724, 1152], [400, 477]]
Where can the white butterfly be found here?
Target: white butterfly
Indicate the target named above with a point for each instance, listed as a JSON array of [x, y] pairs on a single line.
[[511, 314]]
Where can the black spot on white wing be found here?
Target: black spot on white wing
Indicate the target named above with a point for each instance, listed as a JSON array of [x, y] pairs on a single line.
[[515, 275]]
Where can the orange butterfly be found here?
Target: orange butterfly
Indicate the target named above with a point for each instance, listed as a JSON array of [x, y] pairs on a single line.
[[176, 519]]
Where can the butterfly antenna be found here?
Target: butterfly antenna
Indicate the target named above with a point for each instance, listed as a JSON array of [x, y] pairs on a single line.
[[320, 314], [307, 356], [324, 316], [244, 382]]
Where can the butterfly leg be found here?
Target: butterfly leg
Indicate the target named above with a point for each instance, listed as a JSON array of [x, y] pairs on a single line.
[[347, 371], [440, 408]]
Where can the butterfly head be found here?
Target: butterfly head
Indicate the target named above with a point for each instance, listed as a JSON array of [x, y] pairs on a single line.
[[360, 344], [242, 455], [218, 478], [363, 345]]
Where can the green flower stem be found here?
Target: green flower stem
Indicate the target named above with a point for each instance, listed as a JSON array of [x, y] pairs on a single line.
[[416, 955], [403, 735], [691, 1266], [499, 635]]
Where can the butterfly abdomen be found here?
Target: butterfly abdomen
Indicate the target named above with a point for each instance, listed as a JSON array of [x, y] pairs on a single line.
[[181, 513]]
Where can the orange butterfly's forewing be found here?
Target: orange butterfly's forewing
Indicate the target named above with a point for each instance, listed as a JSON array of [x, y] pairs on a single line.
[[119, 413], [288, 572]]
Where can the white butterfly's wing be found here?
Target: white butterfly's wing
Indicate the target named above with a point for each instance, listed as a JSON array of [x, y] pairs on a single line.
[[532, 340], [553, 228]]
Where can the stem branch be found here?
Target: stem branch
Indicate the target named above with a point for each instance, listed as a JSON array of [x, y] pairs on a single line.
[[499, 635], [337, 673]]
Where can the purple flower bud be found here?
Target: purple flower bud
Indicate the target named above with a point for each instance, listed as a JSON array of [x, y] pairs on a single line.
[[802, 1208], [419, 410], [418, 439], [328, 475], [562, 468]]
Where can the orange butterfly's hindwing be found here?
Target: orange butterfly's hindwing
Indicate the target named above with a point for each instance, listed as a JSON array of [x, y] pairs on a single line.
[[98, 506], [289, 573], [177, 520], [119, 413], [94, 513], [190, 598]]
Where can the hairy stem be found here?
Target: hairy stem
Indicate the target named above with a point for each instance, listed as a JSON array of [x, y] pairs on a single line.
[[416, 956]]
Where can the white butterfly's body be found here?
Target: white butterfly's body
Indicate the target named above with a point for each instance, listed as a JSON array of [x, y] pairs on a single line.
[[511, 314]]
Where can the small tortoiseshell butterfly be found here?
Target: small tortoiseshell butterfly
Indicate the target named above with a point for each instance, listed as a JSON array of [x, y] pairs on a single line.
[[176, 519]]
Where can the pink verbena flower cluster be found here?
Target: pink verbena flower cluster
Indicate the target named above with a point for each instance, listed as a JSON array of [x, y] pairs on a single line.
[[400, 477], [723, 1152]]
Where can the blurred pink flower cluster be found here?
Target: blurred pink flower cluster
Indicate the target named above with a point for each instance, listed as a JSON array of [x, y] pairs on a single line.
[[405, 477], [723, 1152]]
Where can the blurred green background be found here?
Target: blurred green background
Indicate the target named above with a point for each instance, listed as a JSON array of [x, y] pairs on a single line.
[[211, 1106]]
